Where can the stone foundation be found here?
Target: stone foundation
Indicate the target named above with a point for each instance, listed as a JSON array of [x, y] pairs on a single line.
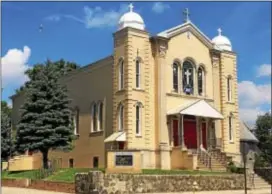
[[98, 182]]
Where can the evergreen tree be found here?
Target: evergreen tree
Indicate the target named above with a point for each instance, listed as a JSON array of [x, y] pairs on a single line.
[[6, 143], [264, 135], [46, 120]]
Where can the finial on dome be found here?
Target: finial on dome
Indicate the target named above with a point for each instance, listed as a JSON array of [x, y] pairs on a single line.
[[219, 31], [131, 7]]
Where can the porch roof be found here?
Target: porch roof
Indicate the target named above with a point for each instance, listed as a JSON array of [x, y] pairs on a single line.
[[117, 136], [198, 108]]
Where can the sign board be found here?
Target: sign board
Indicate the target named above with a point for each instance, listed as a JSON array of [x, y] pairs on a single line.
[[123, 159]]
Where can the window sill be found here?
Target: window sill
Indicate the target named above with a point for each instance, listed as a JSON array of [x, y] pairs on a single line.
[[76, 136], [231, 142], [96, 133], [175, 94], [229, 102], [120, 91], [138, 135], [138, 89]]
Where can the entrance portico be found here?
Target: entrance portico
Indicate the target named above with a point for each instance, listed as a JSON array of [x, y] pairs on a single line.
[[190, 124]]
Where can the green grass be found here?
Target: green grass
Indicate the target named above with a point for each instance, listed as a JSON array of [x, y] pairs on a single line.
[[181, 172], [68, 174], [19, 175]]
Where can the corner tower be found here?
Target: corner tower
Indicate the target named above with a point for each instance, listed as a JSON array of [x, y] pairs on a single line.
[[133, 91]]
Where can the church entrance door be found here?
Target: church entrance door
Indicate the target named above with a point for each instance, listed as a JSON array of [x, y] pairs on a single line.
[[190, 136], [175, 132]]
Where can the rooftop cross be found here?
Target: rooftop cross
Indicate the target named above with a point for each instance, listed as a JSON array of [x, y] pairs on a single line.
[[186, 15], [219, 31], [130, 7]]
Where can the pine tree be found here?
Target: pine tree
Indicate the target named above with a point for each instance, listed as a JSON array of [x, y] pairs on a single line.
[[46, 119], [6, 143]]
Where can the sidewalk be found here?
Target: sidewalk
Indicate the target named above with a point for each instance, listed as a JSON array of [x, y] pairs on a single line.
[[255, 191]]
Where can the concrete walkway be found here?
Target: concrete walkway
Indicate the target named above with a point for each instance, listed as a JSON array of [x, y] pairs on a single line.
[[13, 190], [256, 191]]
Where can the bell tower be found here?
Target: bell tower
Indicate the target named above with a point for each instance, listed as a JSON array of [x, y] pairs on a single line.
[[133, 91]]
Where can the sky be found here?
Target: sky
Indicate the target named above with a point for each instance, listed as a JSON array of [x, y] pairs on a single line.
[[82, 32]]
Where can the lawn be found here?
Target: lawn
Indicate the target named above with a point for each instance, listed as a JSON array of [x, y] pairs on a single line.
[[181, 172], [68, 174], [62, 175], [31, 174]]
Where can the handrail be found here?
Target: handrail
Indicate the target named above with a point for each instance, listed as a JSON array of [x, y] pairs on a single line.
[[205, 157]]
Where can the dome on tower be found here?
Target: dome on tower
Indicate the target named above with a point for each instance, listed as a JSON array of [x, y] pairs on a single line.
[[131, 19], [222, 41]]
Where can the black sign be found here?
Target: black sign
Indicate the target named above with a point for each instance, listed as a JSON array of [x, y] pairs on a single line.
[[123, 160]]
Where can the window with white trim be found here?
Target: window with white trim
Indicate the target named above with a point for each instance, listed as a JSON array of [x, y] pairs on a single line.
[[175, 77], [76, 121], [94, 118], [138, 70], [121, 74], [100, 116], [230, 122], [229, 88], [121, 118], [138, 120], [200, 80]]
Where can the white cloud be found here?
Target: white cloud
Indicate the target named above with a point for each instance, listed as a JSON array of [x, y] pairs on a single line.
[[252, 95], [264, 70], [54, 18], [95, 17], [159, 7], [14, 64], [251, 98], [249, 115]]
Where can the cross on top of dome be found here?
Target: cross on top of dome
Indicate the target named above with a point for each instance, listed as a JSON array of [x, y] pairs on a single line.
[[219, 31], [131, 7]]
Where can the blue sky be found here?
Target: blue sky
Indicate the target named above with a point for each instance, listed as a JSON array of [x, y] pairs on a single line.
[[82, 32]]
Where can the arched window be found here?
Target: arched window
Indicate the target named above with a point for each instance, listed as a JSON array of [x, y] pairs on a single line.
[[76, 121], [200, 80], [100, 116], [138, 120], [121, 118], [230, 120], [229, 88], [94, 118], [138, 70], [175, 77], [121, 74], [188, 79]]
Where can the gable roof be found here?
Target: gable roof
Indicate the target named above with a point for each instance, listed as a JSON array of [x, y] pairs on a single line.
[[197, 108], [245, 133], [188, 26]]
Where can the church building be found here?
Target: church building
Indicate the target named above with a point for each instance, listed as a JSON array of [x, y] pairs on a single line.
[[167, 101]]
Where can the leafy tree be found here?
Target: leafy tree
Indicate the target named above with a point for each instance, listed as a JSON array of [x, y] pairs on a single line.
[[6, 143], [46, 120], [264, 134]]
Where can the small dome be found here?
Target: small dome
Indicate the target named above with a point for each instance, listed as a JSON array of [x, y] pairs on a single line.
[[131, 19], [222, 41]]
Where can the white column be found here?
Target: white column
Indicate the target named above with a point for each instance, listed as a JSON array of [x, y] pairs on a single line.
[[183, 146], [208, 133], [200, 131]]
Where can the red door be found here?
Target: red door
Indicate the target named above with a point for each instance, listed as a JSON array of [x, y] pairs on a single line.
[[175, 132], [190, 138], [204, 135]]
